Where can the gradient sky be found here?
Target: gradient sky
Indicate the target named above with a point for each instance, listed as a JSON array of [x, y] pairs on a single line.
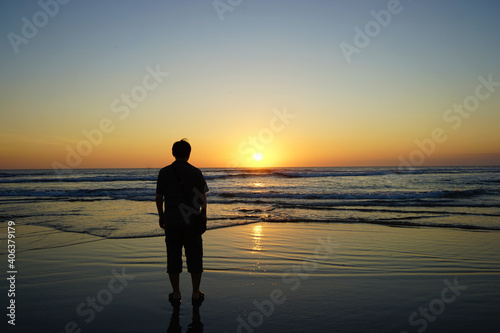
[[262, 76]]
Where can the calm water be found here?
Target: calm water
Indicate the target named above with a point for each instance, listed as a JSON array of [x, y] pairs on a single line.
[[119, 203]]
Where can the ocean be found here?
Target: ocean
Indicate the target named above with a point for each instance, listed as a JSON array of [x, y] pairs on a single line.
[[119, 203]]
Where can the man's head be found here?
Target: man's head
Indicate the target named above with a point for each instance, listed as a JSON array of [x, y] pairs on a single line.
[[181, 150]]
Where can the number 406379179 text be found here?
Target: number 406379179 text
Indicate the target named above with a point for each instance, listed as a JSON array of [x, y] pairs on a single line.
[[11, 271]]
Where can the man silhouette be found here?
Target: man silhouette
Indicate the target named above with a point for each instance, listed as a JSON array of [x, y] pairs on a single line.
[[181, 185]]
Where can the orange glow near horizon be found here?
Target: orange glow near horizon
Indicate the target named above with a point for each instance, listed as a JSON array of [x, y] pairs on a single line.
[[291, 153]]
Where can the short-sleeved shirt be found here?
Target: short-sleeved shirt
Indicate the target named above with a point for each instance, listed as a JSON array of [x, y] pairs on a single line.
[[168, 186]]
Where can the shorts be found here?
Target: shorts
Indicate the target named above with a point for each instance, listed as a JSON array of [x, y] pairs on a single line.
[[177, 237]]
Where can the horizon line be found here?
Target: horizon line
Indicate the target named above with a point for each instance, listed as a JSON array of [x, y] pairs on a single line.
[[274, 167]]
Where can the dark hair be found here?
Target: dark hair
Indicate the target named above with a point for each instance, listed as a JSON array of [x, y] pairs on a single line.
[[181, 149]]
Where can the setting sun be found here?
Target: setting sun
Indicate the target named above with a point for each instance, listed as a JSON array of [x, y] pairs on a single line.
[[257, 157]]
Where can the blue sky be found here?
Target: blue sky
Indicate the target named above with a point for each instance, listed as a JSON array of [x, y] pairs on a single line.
[[226, 76]]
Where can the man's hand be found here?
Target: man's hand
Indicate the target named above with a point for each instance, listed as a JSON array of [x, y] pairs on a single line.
[[161, 213], [162, 221]]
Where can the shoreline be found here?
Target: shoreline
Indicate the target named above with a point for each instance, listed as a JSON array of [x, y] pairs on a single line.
[[288, 277]]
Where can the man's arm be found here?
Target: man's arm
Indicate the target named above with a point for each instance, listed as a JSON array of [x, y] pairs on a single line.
[[159, 207]]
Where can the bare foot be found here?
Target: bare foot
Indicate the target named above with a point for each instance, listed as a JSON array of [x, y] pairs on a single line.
[[197, 295], [175, 296]]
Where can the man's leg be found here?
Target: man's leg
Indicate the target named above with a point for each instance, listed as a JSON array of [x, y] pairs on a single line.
[[174, 281], [194, 259], [195, 281], [174, 260]]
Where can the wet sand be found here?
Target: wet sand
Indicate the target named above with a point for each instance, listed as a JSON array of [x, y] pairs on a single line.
[[261, 277]]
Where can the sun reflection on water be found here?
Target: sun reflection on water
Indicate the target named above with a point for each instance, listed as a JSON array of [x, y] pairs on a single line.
[[257, 237]]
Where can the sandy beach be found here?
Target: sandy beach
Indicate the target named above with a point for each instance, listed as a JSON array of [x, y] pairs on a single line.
[[262, 277]]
